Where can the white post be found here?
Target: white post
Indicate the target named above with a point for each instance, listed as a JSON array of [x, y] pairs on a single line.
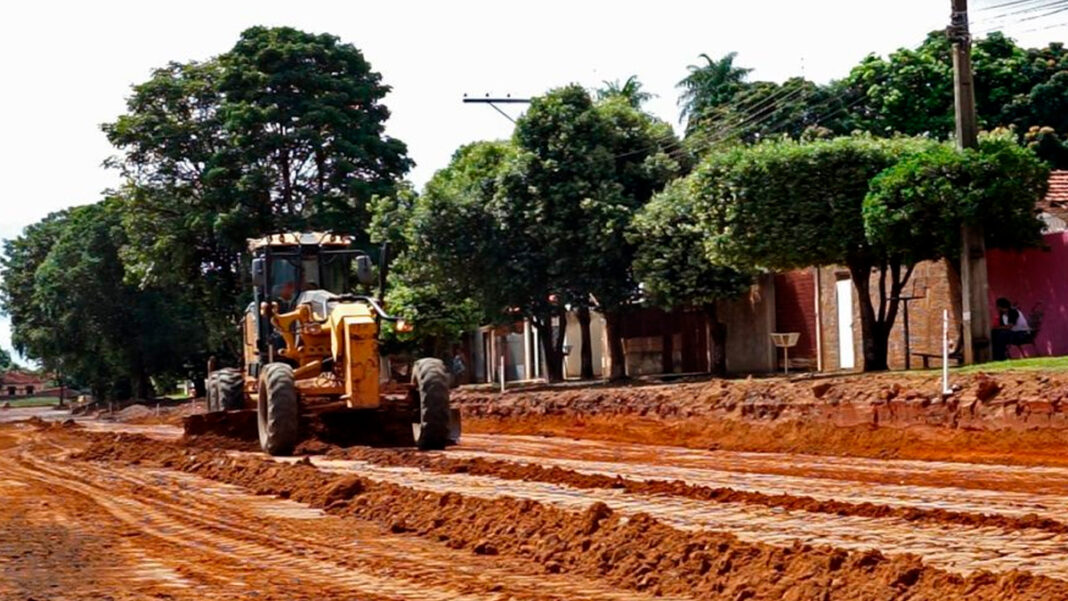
[[945, 352], [502, 372], [786, 360]]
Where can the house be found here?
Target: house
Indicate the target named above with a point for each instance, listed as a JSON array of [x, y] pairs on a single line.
[[652, 339], [16, 383]]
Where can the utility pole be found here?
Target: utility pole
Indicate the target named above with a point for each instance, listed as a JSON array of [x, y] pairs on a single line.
[[975, 316]]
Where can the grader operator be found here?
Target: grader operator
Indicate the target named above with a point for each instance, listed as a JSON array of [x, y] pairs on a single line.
[[311, 350]]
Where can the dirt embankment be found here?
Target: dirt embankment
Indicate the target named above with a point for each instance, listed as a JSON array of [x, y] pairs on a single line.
[[1019, 418], [635, 552]]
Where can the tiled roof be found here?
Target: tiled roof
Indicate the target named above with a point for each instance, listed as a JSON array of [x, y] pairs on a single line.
[[1056, 201], [18, 378]]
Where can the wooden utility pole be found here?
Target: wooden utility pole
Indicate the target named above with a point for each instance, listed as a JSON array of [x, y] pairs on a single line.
[[975, 316]]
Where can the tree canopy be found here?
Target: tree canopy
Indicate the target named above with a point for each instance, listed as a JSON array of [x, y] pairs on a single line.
[[877, 206]]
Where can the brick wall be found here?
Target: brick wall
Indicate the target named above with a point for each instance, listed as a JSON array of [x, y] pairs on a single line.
[[928, 282]]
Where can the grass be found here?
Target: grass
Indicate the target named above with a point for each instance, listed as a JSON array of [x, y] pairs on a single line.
[[1029, 364], [40, 401]]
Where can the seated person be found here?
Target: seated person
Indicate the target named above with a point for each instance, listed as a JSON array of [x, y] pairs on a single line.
[[1011, 328]]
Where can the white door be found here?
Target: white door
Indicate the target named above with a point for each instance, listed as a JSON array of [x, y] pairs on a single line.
[[846, 359]]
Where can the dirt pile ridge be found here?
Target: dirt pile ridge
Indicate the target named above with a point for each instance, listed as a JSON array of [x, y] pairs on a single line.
[[638, 552], [1015, 418], [1011, 400], [509, 470]]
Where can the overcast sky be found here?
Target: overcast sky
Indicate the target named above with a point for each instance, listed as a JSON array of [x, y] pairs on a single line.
[[68, 67]]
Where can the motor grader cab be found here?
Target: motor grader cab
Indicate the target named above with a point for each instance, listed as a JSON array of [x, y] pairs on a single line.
[[311, 350]]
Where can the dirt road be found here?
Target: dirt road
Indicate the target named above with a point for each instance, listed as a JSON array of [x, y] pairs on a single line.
[[118, 511]]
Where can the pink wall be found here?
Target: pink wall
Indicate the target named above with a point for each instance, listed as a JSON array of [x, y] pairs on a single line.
[[1031, 277]]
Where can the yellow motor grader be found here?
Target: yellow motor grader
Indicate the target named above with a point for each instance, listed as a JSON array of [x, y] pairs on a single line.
[[311, 353]]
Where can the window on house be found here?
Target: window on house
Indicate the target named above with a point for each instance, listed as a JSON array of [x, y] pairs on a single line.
[[29, 390], [11, 391]]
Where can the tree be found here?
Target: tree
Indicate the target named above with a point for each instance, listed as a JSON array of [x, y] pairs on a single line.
[[910, 92], [308, 127], [916, 208], [283, 132], [444, 278], [562, 205], [22, 256], [784, 205], [630, 90], [5, 360], [72, 310], [764, 110], [708, 86], [671, 264], [646, 156]]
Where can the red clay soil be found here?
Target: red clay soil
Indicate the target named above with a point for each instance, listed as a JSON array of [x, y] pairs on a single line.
[[1017, 418], [635, 552], [508, 470]]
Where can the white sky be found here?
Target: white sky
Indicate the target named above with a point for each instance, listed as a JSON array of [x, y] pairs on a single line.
[[67, 67]]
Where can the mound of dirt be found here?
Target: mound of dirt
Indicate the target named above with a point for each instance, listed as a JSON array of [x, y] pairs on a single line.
[[1019, 418], [1020, 400], [635, 552]]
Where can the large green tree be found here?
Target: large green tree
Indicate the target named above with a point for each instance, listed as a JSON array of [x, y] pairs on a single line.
[[911, 91], [917, 207], [877, 206], [785, 205], [445, 275], [673, 268], [563, 204], [283, 132], [73, 311]]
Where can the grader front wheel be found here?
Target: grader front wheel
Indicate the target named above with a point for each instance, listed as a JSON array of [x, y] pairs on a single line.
[[278, 419], [432, 385]]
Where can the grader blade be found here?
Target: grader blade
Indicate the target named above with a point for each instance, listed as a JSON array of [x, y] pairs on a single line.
[[239, 425]]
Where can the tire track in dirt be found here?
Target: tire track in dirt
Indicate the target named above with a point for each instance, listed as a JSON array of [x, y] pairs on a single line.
[[588, 475], [977, 488], [177, 508], [630, 550], [954, 548]]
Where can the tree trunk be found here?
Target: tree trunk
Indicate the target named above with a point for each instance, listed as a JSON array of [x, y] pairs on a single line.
[[876, 327], [587, 343], [613, 327], [717, 341], [874, 358], [551, 345]]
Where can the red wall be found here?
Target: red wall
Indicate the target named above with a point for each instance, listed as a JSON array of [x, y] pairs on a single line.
[[1031, 277], [795, 301]]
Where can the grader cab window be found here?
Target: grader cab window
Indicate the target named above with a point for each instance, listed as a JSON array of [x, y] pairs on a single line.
[[284, 284]]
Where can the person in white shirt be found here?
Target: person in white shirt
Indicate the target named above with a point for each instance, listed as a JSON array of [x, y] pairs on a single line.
[[1011, 328]]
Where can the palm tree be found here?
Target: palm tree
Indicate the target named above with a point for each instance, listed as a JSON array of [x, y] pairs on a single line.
[[631, 90], [709, 86]]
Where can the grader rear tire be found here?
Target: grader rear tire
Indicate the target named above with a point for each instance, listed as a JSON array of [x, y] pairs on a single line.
[[278, 419], [230, 386], [432, 384]]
